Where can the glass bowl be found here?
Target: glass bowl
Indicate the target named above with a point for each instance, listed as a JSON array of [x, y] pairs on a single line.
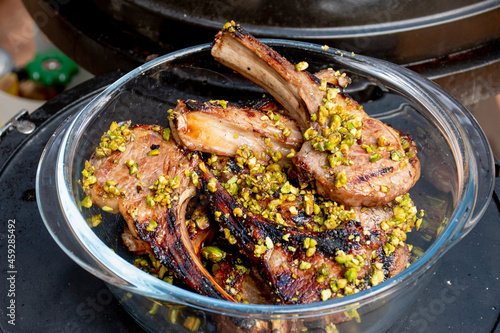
[[454, 189]]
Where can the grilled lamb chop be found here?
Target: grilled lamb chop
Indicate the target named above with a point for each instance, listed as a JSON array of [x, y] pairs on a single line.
[[297, 263], [114, 180], [352, 158], [244, 284], [148, 181], [221, 128]]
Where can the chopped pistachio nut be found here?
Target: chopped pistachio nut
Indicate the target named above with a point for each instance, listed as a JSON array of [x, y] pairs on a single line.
[[342, 283], [310, 243], [166, 134], [269, 243], [150, 201], [88, 178], [153, 152], [220, 102], [301, 66], [418, 223], [326, 294], [229, 26], [383, 142], [87, 202], [212, 159], [310, 252], [322, 273], [153, 309], [201, 221], [110, 188], [171, 114], [96, 219], [377, 277], [305, 265], [237, 211], [194, 178], [212, 185], [173, 314], [213, 253], [259, 250], [323, 85], [230, 238], [107, 208], [203, 167], [163, 189], [369, 149], [342, 257], [353, 314], [331, 328], [375, 157], [192, 323], [351, 274], [116, 138], [293, 210], [388, 248], [340, 178], [132, 166], [152, 225], [310, 134], [292, 153], [309, 204], [397, 156]]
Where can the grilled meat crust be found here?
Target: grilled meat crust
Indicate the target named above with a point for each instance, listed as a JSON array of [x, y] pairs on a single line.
[[161, 225], [367, 183], [114, 168], [244, 283]]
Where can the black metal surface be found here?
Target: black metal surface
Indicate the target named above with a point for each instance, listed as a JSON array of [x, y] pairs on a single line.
[[455, 43], [400, 31], [53, 294], [50, 292]]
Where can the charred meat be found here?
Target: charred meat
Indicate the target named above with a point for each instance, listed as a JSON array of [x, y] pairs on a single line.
[[148, 180], [352, 158], [304, 266]]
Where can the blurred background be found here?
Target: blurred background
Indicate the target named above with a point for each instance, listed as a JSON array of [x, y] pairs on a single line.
[[47, 47]]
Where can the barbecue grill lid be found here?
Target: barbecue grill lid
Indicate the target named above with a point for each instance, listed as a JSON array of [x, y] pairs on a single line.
[[119, 32], [298, 18]]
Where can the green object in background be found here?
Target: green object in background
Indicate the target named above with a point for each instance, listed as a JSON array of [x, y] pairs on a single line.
[[51, 68]]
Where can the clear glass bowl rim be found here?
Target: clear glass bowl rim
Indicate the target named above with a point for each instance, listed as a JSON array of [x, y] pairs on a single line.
[[123, 274]]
